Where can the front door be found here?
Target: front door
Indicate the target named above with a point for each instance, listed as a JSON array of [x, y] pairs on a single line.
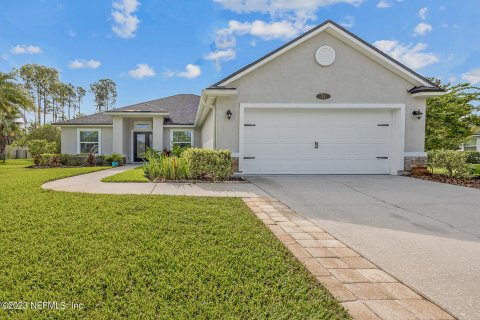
[[141, 140]]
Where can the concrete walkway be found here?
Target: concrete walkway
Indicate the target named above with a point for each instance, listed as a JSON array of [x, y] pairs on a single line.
[[91, 183]]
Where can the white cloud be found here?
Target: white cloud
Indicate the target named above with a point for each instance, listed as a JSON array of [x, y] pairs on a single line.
[[71, 33], [289, 18], [422, 28], [383, 4], [472, 76], [266, 30], [126, 23], [413, 56], [142, 70], [191, 72], [25, 49], [219, 56], [422, 13], [84, 64], [281, 7], [348, 22]]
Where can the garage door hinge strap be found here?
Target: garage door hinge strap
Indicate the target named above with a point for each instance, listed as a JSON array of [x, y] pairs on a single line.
[[382, 157], [248, 158], [249, 125], [383, 125]]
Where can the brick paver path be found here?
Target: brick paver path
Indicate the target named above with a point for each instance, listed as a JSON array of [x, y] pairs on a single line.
[[366, 291]]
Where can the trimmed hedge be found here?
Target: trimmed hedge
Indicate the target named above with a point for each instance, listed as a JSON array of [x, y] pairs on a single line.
[[73, 160], [473, 157], [204, 164]]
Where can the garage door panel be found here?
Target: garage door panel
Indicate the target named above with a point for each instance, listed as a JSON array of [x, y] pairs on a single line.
[[333, 149], [316, 166], [348, 141]]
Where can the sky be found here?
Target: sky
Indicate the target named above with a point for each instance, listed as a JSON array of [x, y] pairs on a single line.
[[157, 48]]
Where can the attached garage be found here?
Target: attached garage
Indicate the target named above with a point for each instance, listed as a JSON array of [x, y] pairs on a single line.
[[326, 102], [308, 140]]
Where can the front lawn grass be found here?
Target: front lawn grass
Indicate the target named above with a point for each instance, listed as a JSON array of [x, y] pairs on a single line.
[[132, 175], [145, 257]]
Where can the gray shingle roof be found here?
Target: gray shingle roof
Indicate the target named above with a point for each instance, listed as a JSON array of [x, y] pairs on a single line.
[[182, 109]]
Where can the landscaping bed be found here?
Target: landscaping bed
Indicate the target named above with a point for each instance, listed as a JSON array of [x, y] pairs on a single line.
[[144, 256], [452, 167], [138, 175], [470, 183]]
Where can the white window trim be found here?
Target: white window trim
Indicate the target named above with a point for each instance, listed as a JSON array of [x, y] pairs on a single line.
[[191, 134], [99, 138]]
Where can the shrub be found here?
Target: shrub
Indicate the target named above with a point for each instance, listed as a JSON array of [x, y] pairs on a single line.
[[177, 150], [49, 159], [41, 132], [207, 164], [475, 170], [39, 147], [114, 157], [91, 159], [159, 166], [473, 157], [100, 160], [454, 162], [73, 160], [173, 168]]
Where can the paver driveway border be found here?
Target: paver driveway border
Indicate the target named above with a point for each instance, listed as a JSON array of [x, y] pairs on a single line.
[[366, 291]]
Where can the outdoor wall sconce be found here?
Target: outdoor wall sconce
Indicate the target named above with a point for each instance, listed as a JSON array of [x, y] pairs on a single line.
[[418, 114], [229, 114]]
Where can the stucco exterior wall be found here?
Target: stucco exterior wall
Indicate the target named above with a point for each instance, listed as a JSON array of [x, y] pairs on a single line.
[[69, 140], [208, 131], [70, 144], [107, 140], [296, 77]]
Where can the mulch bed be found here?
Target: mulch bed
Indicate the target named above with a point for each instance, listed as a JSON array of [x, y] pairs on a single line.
[[470, 183]]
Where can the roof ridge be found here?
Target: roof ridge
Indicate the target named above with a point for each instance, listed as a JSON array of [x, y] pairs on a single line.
[[326, 22]]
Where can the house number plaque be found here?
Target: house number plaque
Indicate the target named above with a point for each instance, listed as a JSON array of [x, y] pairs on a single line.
[[323, 96]]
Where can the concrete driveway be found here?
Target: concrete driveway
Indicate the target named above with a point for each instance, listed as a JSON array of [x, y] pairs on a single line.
[[426, 234]]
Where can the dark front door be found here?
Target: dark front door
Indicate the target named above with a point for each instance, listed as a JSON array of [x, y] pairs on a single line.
[[141, 140]]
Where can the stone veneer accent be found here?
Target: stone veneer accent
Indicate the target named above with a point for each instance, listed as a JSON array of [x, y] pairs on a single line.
[[366, 291], [235, 161], [415, 162]]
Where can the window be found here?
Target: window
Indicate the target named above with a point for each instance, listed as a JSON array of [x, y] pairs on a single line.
[[143, 125], [89, 141], [182, 138]]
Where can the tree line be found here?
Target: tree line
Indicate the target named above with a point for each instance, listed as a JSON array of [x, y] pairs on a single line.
[[57, 101]]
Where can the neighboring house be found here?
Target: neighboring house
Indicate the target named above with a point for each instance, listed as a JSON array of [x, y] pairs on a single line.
[[325, 103], [473, 144]]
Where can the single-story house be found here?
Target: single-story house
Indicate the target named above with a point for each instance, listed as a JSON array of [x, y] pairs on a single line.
[[326, 102], [473, 144]]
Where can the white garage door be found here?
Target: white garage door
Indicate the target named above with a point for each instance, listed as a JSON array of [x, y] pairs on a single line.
[[313, 141]]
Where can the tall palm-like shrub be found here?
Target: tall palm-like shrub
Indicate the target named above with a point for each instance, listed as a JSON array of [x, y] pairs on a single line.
[[13, 98]]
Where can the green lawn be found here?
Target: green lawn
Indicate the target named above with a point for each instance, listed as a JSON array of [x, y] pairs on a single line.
[[145, 257], [132, 175]]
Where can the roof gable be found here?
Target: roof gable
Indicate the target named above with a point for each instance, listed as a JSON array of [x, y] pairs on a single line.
[[350, 39]]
